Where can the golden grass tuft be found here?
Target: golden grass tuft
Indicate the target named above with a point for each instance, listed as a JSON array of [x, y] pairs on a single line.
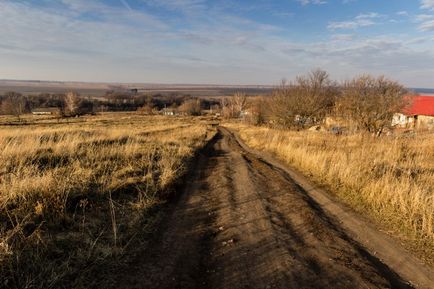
[[74, 194]]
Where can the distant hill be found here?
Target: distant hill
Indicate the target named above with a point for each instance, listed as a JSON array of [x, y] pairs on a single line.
[[99, 89], [424, 91]]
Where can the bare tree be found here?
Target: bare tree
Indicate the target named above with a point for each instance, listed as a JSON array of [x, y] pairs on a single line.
[[233, 107], [239, 101], [371, 102], [227, 109], [71, 104], [14, 104], [305, 102], [258, 110], [191, 107], [148, 106]]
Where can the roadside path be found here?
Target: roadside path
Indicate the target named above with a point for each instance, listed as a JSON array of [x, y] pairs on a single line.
[[243, 222]]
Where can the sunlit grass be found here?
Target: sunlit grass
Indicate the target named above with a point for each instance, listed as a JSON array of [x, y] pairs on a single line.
[[75, 193], [389, 178]]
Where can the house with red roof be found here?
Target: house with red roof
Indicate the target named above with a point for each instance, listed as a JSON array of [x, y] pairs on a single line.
[[419, 113]]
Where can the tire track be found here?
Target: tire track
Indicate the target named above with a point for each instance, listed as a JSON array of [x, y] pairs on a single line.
[[243, 223]]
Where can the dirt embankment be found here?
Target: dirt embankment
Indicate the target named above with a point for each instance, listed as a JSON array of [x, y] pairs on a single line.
[[243, 222]]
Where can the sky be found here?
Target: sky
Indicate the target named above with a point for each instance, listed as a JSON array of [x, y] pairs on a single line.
[[216, 42]]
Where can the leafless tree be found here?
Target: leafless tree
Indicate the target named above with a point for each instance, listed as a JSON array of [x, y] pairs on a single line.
[[191, 107], [370, 102], [72, 101], [239, 101], [234, 106], [14, 104], [148, 106], [305, 102], [258, 110], [227, 109]]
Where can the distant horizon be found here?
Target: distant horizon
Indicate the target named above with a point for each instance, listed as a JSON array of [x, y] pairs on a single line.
[[430, 89], [131, 83]]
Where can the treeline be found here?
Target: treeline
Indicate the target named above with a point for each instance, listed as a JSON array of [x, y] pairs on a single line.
[[71, 104], [362, 103]]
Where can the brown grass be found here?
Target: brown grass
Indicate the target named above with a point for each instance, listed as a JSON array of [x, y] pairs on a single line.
[[389, 178], [76, 194]]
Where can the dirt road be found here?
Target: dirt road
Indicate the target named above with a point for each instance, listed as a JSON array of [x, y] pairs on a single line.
[[244, 223]]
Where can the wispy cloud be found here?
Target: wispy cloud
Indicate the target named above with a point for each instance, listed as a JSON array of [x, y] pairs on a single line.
[[313, 2], [342, 37], [427, 20], [427, 26], [348, 1], [126, 5], [362, 20], [185, 6], [427, 4]]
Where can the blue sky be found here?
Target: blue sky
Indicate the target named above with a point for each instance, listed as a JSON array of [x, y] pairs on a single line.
[[219, 41]]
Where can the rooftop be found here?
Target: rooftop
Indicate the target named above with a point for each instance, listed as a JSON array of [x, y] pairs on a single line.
[[420, 105]]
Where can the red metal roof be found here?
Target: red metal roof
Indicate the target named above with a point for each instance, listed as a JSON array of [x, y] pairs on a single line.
[[420, 105]]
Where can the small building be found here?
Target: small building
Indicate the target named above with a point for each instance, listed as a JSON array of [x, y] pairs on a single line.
[[419, 114], [46, 111], [168, 111]]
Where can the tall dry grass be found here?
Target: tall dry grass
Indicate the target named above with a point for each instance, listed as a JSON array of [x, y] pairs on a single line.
[[389, 178], [75, 194]]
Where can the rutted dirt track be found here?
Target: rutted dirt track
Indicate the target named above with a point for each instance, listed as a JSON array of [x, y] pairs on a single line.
[[243, 223]]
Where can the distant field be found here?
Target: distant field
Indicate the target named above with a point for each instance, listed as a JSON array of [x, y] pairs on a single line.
[[99, 89], [80, 193], [27, 90]]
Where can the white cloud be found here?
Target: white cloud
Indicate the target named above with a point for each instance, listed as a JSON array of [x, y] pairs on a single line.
[[185, 6], [126, 45], [342, 37], [370, 15], [354, 24], [83, 6], [313, 2], [378, 55], [424, 17], [426, 22], [427, 4], [427, 26], [362, 20], [417, 40]]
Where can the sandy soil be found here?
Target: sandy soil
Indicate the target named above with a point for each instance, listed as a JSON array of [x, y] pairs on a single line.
[[243, 222]]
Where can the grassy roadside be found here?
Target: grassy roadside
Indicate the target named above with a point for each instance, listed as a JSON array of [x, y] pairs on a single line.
[[391, 179], [77, 197]]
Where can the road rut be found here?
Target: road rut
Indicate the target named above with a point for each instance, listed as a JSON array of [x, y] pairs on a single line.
[[243, 223]]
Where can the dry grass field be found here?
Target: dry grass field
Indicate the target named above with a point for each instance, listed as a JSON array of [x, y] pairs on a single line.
[[78, 194], [389, 178], [81, 198]]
